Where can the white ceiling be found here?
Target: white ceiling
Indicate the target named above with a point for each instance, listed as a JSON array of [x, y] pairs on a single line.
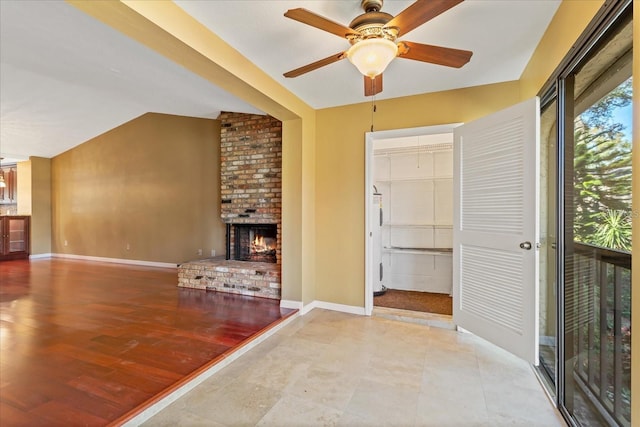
[[57, 90]]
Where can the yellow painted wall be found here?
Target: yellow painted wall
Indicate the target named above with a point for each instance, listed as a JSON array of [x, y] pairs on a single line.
[[308, 256], [34, 199], [291, 209], [40, 205], [152, 183], [340, 149], [24, 187], [298, 210], [340, 162], [166, 28]]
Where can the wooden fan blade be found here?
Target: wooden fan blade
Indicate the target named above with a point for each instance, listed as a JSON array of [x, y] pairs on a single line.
[[418, 13], [372, 86], [310, 18], [315, 65], [434, 54]]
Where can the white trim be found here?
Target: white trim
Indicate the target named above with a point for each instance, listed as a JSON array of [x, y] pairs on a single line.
[[194, 382], [41, 256], [368, 232], [117, 260], [351, 309], [295, 305], [307, 308], [370, 138]]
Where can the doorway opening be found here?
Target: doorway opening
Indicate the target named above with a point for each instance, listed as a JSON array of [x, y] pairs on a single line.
[[409, 176]]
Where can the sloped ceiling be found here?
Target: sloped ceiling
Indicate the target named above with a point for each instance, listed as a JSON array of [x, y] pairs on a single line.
[[58, 91]]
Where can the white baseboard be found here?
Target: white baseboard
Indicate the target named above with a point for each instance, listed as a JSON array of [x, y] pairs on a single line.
[[351, 309], [41, 256], [295, 305], [334, 307], [117, 260], [306, 308]]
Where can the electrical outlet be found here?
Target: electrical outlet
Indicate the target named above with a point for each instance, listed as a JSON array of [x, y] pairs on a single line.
[[66, 243], [128, 247], [199, 251], [213, 252]]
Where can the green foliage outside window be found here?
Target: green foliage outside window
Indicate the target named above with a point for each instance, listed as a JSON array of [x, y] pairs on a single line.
[[602, 173]]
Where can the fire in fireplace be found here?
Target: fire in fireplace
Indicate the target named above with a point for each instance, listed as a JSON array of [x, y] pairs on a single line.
[[252, 242]]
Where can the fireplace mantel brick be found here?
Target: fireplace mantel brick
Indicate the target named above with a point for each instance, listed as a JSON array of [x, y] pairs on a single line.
[[250, 168]]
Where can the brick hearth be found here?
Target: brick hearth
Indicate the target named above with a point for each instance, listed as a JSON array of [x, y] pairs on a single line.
[[257, 279]]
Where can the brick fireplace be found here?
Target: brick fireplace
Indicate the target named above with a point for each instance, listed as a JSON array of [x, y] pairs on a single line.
[[251, 204], [250, 177]]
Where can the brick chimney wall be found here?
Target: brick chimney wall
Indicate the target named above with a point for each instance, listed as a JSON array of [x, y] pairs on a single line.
[[251, 168]]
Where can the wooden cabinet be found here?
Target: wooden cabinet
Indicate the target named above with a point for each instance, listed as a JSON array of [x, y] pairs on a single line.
[[9, 194], [14, 237]]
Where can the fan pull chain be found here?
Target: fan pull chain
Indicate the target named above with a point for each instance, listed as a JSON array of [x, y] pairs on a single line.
[[373, 110], [373, 102]]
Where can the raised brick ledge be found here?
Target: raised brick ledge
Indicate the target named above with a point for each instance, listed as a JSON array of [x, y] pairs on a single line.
[[236, 277]]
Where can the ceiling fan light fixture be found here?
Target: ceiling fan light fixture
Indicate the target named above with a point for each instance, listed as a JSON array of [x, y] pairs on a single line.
[[371, 56]]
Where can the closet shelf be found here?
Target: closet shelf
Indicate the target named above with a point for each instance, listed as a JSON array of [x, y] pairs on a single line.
[[432, 178], [421, 251], [417, 225]]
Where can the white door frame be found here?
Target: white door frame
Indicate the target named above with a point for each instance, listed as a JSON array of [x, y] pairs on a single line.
[[370, 138]]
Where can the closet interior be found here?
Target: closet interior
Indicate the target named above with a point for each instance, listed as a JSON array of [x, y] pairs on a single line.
[[413, 222]]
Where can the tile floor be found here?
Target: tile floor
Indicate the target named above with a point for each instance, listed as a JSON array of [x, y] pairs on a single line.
[[329, 368]]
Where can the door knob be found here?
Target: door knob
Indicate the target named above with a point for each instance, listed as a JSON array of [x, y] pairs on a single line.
[[525, 245]]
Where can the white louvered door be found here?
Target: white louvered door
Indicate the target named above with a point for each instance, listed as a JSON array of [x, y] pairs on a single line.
[[495, 276]]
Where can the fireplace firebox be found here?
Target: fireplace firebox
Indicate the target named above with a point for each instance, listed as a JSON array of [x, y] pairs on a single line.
[[252, 242]]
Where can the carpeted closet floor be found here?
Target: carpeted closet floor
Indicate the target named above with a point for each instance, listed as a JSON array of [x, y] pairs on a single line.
[[415, 301]]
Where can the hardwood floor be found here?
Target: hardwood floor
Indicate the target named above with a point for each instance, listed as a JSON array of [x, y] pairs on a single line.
[[85, 343]]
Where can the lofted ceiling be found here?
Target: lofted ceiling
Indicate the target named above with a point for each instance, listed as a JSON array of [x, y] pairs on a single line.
[[57, 90]]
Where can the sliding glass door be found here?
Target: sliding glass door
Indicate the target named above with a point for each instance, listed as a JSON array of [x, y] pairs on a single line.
[[585, 227], [548, 243], [595, 113]]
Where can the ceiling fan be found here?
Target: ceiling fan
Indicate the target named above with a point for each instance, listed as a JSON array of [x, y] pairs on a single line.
[[373, 37]]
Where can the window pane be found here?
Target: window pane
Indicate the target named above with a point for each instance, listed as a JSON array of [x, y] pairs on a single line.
[[547, 287], [597, 286]]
